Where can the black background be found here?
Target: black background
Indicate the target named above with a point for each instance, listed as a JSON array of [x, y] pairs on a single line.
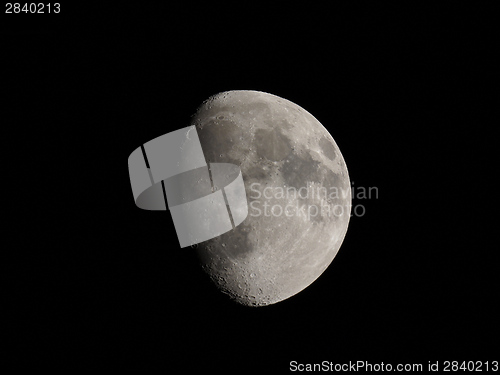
[[98, 282]]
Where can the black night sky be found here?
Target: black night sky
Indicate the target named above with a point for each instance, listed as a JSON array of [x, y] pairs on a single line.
[[98, 283]]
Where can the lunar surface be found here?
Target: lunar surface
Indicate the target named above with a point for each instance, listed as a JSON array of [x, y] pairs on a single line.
[[298, 193]]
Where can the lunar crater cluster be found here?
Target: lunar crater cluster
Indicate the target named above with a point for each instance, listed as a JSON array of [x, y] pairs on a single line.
[[296, 181]]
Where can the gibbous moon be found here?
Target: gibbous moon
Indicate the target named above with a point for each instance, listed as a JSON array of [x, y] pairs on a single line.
[[298, 193]]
